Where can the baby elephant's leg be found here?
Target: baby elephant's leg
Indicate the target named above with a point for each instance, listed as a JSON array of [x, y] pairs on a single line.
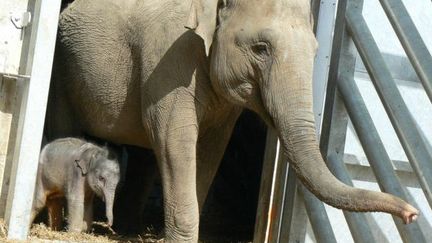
[[75, 205], [55, 213], [88, 214], [38, 202]]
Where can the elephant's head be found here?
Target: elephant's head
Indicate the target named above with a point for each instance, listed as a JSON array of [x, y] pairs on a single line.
[[102, 174], [261, 56]]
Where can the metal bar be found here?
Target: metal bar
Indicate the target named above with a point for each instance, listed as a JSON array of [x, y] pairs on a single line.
[[10, 53], [411, 41], [294, 216], [277, 207], [343, 59], [405, 126], [13, 75], [280, 184], [339, 36], [368, 135], [375, 152], [335, 118], [288, 207], [325, 88], [36, 60], [318, 217], [324, 36], [357, 223], [264, 210]]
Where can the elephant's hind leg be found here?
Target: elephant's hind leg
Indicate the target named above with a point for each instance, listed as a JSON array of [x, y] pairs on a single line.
[[88, 213], [55, 213], [39, 202]]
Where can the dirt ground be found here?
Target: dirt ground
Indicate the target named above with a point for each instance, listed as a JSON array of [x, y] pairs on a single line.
[[102, 234]]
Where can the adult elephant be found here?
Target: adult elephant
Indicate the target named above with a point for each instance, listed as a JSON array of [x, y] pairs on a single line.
[[131, 73]]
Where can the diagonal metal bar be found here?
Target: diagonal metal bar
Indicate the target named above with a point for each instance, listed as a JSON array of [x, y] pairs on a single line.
[[294, 216], [339, 50], [411, 41], [357, 223], [411, 138], [375, 152], [318, 217]]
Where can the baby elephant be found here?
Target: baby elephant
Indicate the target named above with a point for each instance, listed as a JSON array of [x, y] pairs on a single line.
[[75, 170]]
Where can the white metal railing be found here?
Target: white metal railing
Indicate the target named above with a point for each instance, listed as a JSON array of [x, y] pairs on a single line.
[[32, 82], [343, 102]]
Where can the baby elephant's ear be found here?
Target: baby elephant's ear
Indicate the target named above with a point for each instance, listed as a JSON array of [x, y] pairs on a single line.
[[83, 165], [83, 158]]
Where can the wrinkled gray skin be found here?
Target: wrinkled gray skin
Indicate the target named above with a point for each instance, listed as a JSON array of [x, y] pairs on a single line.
[[130, 73], [76, 170]]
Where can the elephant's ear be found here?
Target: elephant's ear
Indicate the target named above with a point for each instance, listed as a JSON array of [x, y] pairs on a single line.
[[82, 165], [202, 19], [84, 155]]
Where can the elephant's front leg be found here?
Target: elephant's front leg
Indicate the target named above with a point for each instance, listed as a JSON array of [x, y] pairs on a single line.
[[176, 152], [88, 212], [75, 206]]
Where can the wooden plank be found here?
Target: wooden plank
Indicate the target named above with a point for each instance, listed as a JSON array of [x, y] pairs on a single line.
[[7, 101]]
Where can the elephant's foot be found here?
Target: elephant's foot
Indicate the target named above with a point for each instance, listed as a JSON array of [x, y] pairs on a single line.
[[160, 238], [180, 235]]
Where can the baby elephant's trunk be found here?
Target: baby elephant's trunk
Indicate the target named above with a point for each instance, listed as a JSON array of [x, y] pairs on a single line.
[[109, 201]]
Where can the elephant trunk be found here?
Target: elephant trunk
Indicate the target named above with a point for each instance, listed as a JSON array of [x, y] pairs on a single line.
[[290, 108], [109, 202]]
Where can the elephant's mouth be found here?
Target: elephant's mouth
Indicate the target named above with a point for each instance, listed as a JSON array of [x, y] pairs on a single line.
[[100, 193]]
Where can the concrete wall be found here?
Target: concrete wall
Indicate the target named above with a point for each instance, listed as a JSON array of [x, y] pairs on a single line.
[[10, 53]]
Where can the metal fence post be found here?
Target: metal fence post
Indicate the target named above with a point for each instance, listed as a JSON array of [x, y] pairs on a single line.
[[265, 200], [411, 138], [36, 61], [378, 158], [411, 41]]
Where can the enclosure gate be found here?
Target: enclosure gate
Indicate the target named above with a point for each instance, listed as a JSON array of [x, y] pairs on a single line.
[[28, 32], [280, 209]]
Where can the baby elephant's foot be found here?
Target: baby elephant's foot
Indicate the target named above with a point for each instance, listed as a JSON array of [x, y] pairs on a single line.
[[76, 227], [87, 226]]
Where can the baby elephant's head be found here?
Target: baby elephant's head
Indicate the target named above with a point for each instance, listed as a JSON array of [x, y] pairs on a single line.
[[102, 172]]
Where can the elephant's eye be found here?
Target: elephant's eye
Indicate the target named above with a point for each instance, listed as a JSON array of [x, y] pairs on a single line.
[[261, 49], [101, 178]]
